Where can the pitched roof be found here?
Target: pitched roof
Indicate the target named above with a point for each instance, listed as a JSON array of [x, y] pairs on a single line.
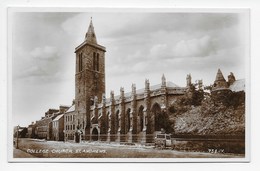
[[238, 85], [58, 117], [71, 109], [219, 76], [169, 84]]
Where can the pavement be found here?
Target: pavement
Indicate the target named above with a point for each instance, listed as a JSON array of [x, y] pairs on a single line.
[[57, 149], [17, 153]]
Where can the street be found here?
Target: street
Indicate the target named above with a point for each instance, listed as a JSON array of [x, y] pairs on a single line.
[[55, 149]]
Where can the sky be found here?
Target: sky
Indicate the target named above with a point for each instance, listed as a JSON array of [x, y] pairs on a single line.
[[139, 46]]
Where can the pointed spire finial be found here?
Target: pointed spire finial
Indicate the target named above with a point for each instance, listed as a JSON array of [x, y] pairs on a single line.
[[90, 35]]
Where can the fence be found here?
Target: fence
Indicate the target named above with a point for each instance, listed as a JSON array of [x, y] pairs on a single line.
[[186, 142], [210, 143]]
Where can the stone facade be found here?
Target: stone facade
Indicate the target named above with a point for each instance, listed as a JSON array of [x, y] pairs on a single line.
[[70, 124], [58, 128], [43, 128], [135, 116], [31, 130]]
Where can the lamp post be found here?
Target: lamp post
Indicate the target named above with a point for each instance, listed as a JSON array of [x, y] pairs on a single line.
[[64, 136], [17, 136]]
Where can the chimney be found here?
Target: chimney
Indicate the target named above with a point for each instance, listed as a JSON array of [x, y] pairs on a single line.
[[188, 80], [231, 78]]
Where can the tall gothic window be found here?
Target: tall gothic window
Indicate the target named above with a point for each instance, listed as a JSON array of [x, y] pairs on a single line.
[[127, 121], [95, 61], [80, 62]]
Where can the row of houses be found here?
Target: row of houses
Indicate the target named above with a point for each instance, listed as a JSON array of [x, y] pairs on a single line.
[[57, 125]]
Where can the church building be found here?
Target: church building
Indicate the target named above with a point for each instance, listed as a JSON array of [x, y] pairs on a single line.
[[129, 117]]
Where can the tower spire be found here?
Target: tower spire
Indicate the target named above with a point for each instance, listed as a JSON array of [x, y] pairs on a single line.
[[90, 35], [219, 76], [220, 81]]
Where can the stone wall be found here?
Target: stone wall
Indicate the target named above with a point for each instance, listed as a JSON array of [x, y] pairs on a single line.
[[119, 120]]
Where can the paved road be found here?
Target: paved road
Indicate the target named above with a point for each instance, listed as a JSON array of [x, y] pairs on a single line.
[[17, 153], [54, 149]]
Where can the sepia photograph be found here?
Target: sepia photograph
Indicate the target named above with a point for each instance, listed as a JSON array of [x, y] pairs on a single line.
[[113, 85]]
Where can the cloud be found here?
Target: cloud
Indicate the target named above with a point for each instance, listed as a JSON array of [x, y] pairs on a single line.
[[196, 47], [46, 52], [41, 65], [200, 47], [159, 50], [178, 22], [32, 71]]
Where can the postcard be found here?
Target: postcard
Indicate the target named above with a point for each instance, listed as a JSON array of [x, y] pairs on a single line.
[[128, 85]]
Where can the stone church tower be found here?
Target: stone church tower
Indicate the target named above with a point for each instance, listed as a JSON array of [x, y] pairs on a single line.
[[89, 78]]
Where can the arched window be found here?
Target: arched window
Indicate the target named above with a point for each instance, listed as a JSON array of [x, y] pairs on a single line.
[[158, 120], [127, 121], [140, 119]]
